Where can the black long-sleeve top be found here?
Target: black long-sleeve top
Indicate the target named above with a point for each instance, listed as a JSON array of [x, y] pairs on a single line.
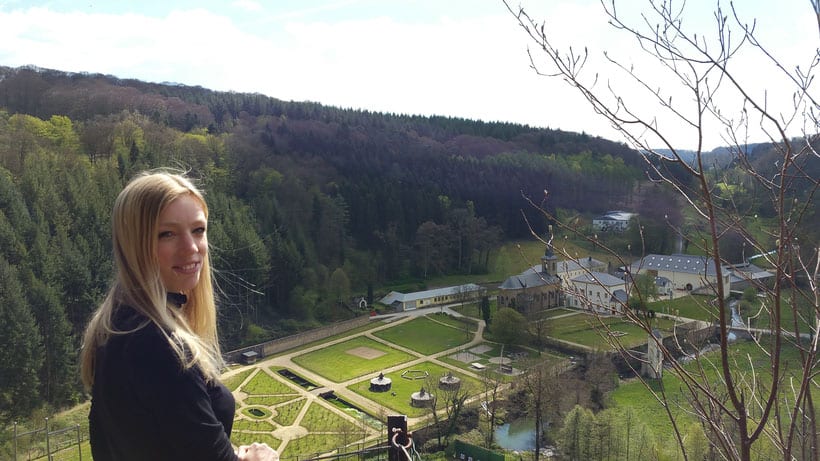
[[144, 406]]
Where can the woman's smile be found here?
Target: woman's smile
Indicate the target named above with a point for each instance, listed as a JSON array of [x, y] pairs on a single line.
[[182, 243]]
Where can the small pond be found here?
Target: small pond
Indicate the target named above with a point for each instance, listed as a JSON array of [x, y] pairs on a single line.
[[297, 379], [518, 435]]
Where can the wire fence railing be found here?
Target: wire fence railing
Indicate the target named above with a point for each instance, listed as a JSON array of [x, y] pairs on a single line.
[[46, 443], [68, 444]]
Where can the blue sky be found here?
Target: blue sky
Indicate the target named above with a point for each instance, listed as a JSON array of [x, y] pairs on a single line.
[[463, 58]]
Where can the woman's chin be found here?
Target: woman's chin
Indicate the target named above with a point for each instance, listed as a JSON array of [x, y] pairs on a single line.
[[183, 284]]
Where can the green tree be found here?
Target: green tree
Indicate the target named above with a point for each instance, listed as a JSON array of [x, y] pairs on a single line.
[[58, 374], [433, 244], [485, 309], [21, 349], [643, 292], [574, 435], [508, 325], [339, 286]]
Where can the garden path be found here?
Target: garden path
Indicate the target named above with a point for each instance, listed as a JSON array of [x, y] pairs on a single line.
[[340, 389]]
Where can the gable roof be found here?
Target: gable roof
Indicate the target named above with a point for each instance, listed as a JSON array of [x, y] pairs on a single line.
[[529, 279], [619, 296], [748, 271], [599, 278], [571, 265], [689, 264], [394, 296]]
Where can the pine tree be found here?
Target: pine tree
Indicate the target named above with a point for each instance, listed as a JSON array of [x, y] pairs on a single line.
[[58, 375], [21, 350]]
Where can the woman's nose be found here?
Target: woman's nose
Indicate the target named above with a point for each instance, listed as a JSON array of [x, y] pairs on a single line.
[[188, 244]]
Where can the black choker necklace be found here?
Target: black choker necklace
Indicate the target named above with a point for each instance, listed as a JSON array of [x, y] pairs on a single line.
[[177, 299]]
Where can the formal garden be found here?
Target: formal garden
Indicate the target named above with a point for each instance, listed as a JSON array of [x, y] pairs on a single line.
[[318, 399]]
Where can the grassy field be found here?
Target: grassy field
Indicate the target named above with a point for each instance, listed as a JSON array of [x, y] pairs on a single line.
[[265, 384], [320, 419], [337, 364], [255, 434], [513, 258], [234, 381], [692, 306], [459, 323], [425, 335], [402, 388], [588, 330], [745, 356], [698, 307], [757, 318]]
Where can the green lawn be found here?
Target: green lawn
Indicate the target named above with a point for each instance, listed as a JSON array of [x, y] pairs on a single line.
[[509, 259], [459, 323], [337, 364], [550, 313], [426, 335], [312, 445], [697, 307], [757, 318], [472, 309], [70, 453], [234, 381], [404, 387], [360, 329], [286, 414], [587, 329], [246, 438], [269, 400], [692, 306], [265, 384], [247, 425], [320, 419]]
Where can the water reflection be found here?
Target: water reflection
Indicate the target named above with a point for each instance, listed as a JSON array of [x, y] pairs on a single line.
[[518, 435]]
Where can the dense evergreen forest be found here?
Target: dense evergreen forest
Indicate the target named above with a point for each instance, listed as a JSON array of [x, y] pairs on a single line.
[[310, 205]]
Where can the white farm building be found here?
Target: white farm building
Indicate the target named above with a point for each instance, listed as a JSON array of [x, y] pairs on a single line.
[[435, 297], [612, 221], [684, 273]]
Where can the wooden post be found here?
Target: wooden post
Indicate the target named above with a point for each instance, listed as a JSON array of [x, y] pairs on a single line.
[[79, 443], [48, 444]]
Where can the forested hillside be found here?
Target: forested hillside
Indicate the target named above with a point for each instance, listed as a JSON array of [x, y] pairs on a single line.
[[309, 204]]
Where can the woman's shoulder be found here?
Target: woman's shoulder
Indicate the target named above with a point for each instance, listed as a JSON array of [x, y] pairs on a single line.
[[137, 334]]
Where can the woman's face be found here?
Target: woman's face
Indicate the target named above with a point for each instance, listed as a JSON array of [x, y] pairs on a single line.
[[182, 243]]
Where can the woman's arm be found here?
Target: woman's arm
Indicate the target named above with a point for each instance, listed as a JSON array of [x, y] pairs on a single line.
[[176, 400]]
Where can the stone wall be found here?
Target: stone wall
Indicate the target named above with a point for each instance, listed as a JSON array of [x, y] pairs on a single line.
[[289, 342]]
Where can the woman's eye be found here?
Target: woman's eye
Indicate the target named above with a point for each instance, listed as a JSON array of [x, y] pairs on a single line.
[[166, 234], [199, 230]]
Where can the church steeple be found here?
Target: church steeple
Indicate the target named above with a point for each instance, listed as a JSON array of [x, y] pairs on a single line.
[[549, 260]]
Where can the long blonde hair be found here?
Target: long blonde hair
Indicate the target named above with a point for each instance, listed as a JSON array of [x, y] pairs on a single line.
[[191, 331]]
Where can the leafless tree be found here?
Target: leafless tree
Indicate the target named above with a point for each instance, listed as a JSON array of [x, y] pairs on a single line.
[[694, 85], [493, 384], [445, 407], [543, 386]]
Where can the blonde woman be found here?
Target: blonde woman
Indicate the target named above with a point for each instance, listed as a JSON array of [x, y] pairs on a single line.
[[150, 355]]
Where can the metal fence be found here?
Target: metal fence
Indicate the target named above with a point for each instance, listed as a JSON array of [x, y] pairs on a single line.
[[46, 444], [65, 444]]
